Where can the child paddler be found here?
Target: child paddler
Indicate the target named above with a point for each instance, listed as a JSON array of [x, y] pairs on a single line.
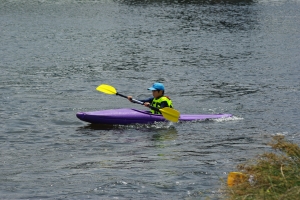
[[158, 100]]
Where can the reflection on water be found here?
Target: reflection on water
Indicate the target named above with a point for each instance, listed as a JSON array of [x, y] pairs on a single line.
[[150, 126], [165, 134], [100, 127]]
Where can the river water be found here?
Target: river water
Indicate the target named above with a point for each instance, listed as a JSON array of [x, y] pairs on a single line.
[[239, 57]]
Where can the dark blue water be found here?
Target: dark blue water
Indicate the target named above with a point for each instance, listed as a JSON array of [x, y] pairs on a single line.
[[239, 57]]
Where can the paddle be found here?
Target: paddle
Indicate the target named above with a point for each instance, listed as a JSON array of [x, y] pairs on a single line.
[[168, 113]]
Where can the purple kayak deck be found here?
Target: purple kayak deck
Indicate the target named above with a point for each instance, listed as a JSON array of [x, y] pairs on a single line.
[[132, 116]]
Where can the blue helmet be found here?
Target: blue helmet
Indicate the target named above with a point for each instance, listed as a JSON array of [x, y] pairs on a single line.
[[157, 86]]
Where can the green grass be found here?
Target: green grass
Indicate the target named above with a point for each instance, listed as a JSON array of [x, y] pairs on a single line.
[[274, 175]]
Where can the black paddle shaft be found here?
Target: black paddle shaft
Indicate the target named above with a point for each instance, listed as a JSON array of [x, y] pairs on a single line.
[[137, 101]]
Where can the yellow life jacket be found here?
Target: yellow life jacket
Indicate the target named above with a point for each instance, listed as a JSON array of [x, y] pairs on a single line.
[[157, 102]]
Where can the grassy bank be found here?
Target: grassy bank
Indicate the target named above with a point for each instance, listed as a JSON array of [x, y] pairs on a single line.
[[274, 175]]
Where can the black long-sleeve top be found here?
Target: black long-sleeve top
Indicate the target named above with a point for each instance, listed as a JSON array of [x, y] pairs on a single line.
[[162, 105]]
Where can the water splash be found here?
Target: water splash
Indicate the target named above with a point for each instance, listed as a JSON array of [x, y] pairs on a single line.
[[225, 119]]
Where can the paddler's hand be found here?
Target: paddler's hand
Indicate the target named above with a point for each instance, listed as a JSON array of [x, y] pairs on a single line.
[[147, 104], [129, 98]]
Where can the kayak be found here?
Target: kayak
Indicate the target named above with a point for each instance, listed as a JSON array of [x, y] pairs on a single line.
[[126, 116]]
